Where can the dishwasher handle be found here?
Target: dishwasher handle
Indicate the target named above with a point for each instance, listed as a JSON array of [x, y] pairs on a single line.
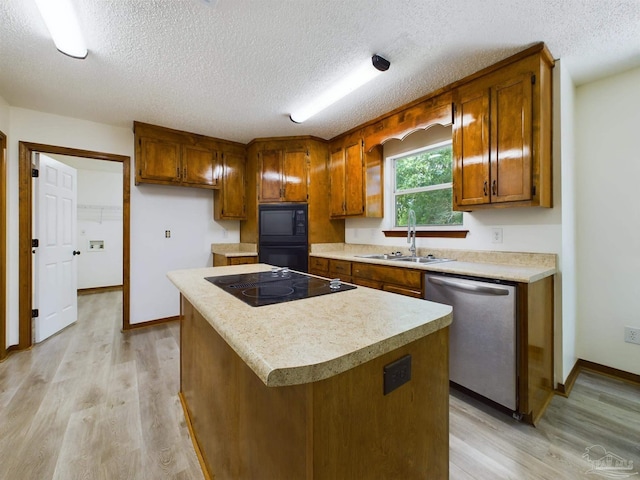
[[468, 286]]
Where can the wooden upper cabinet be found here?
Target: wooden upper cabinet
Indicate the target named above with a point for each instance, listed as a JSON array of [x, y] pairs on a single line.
[[158, 160], [502, 137], [229, 201], [337, 182], [283, 174], [172, 157], [471, 148], [199, 166], [270, 178], [511, 139], [347, 177], [294, 175], [356, 178]]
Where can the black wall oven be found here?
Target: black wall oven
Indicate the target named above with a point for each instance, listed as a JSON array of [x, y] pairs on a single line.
[[283, 235]]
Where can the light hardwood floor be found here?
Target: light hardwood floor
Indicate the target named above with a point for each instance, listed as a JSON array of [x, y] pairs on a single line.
[[95, 403]]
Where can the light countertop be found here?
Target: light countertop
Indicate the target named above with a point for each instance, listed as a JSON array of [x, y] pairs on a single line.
[[515, 267], [235, 249], [308, 340]]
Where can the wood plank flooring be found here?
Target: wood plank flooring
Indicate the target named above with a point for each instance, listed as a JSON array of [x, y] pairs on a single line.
[[93, 402]]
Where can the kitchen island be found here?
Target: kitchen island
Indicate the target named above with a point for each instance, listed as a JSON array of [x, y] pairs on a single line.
[[295, 390]]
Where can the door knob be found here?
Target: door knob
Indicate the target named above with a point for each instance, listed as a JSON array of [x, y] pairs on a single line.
[[76, 252]]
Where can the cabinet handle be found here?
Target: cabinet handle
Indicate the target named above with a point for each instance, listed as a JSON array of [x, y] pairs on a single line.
[[184, 172], [494, 188], [178, 172], [484, 188]]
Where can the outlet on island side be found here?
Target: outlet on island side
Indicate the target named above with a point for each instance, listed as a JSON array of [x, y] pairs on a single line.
[[632, 335], [396, 374]]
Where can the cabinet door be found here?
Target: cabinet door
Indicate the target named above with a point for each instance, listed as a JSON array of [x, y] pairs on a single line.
[[199, 166], [511, 138], [354, 182], [294, 176], [233, 186], [471, 149], [160, 160], [337, 183], [270, 176]]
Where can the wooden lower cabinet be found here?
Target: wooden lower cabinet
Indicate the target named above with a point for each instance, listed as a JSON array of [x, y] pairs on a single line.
[[342, 427], [340, 269], [535, 313], [319, 266], [404, 281], [401, 280], [222, 260]]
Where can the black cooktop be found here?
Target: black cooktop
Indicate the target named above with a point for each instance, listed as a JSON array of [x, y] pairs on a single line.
[[279, 285]]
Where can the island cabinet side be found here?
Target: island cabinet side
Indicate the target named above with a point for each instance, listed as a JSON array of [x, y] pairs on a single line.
[[342, 427]]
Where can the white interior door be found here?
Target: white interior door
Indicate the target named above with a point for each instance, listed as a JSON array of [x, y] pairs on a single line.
[[55, 268]]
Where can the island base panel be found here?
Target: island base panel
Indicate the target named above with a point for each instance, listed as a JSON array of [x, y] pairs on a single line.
[[340, 427]]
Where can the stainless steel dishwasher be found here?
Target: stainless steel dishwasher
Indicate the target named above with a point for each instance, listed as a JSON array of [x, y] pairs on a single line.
[[482, 337]]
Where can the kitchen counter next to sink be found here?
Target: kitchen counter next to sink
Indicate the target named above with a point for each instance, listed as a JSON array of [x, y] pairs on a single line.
[[311, 339], [510, 266]]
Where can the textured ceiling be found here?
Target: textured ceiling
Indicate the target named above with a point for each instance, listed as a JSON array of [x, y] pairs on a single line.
[[234, 69]]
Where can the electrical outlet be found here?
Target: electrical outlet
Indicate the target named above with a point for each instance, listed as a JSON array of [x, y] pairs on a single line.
[[167, 234], [496, 235], [632, 335], [396, 374]]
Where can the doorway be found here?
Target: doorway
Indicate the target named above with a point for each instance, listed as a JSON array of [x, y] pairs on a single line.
[[26, 151]]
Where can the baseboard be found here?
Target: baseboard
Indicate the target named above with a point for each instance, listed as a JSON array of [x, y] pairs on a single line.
[[610, 371], [152, 323], [535, 419], [565, 389], [581, 365], [89, 291], [194, 440], [9, 350]]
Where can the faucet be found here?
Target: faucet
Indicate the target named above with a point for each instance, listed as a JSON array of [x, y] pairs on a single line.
[[411, 236]]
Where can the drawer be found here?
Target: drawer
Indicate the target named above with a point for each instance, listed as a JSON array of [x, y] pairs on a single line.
[[317, 264], [411, 279], [367, 283], [339, 267], [242, 260], [402, 291]]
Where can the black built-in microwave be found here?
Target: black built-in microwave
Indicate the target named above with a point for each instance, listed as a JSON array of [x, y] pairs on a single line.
[[283, 224]]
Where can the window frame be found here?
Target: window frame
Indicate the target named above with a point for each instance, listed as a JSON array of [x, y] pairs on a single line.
[[391, 164]]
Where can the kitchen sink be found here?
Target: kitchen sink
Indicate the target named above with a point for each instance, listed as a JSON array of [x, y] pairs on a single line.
[[383, 256], [424, 259], [399, 257]]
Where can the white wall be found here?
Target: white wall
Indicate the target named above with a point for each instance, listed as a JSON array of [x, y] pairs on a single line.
[[608, 220], [564, 150], [99, 267], [187, 212]]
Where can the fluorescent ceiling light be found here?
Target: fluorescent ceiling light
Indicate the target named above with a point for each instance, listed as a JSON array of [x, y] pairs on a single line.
[[364, 73], [63, 26]]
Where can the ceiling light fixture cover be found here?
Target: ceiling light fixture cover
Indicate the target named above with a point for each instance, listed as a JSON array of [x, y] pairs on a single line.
[[63, 26], [361, 75]]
